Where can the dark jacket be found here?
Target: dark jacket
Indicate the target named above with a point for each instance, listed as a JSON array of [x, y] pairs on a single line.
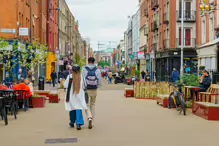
[[53, 75], [175, 76], [206, 83]]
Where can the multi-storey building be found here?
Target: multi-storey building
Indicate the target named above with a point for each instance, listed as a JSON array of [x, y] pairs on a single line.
[[126, 46], [30, 16], [130, 45], [164, 35], [52, 36], [208, 34], [136, 37], [144, 62]]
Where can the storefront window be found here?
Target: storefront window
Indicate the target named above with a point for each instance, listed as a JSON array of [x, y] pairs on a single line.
[[190, 65]]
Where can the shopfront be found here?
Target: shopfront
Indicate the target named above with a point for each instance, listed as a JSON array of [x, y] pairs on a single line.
[[207, 55], [50, 65], [166, 61]]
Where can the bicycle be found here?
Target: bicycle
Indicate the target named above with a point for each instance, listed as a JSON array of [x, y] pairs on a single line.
[[177, 98]]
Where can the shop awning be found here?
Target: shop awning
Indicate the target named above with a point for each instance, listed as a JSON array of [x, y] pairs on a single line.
[[209, 44]]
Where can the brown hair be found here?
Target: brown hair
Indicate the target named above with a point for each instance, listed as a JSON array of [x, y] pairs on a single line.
[[76, 82]]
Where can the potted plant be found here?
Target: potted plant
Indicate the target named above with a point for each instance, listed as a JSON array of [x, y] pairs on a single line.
[[38, 101]]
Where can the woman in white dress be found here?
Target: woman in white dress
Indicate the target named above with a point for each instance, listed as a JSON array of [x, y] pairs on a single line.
[[75, 97]]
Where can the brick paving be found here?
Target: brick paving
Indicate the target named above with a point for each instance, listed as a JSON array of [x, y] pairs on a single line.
[[119, 122]]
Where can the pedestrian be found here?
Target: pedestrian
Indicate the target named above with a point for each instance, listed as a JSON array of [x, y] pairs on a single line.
[[92, 77], [143, 74], [75, 97], [20, 75], [110, 75], [205, 83], [53, 77], [175, 75]]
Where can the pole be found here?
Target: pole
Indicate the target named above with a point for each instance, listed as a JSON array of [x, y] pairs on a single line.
[[182, 39]]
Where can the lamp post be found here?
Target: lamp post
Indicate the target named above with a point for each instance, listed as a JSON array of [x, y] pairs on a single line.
[[182, 39]]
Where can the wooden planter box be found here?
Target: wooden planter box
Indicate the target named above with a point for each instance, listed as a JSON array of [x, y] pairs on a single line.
[[206, 110], [38, 102], [129, 92], [53, 97]]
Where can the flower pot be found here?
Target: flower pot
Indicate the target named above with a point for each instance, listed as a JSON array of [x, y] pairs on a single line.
[[38, 102]]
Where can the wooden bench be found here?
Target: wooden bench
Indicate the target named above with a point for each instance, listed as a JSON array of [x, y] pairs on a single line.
[[206, 110], [211, 93], [163, 94], [53, 97]]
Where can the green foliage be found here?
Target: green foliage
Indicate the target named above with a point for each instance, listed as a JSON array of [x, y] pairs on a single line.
[[103, 63], [190, 80], [79, 61], [36, 54], [137, 73]]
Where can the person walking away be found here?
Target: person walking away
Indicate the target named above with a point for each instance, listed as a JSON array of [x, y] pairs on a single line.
[[75, 97], [175, 75], [67, 71], [110, 75], [205, 82], [143, 74], [92, 77], [53, 77]]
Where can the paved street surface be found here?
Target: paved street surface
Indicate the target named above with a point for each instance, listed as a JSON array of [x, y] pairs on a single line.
[[119, 122]]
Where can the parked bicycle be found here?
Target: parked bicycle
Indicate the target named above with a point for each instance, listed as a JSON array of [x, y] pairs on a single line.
[[176, 98]]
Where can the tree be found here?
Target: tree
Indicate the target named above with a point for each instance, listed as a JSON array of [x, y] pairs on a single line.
[[29, 57], [103, 63], [79, 61]]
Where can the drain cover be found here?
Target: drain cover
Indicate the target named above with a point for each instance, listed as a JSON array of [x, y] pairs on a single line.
[[61, 140]]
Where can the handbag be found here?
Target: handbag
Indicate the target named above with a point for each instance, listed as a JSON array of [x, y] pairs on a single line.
[[68, 89]]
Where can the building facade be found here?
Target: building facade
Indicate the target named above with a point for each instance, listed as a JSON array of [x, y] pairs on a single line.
[[28, 15], [144, 64], [163, 21], [208, 35], [52, 36]]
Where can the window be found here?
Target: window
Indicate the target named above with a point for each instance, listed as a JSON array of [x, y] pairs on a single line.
[[211, 29], [187, 9], [203, 32], [187, 36]]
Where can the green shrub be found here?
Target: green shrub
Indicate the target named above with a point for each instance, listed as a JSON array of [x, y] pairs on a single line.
[[190, 80]]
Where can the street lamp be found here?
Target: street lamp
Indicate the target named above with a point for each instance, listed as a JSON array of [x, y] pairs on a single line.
[[182, 39]]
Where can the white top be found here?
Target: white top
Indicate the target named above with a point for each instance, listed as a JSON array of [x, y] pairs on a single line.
[[76, 101]]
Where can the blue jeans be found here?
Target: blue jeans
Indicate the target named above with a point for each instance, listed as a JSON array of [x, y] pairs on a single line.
[[76, 117], [109, 80], [27, 103]]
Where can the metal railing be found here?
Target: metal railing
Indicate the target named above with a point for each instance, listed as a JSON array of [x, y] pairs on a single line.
[[188, 42], [189, 15]]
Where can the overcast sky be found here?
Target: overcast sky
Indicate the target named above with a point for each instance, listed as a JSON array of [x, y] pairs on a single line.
[[102, 20]]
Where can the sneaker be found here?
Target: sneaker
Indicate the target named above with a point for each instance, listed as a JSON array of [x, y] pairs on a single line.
[[78, 127], [90, 125], [71, 125]]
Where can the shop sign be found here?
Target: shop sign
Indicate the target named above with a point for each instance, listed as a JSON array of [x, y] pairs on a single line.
[[141, 55], [11, 31], [23, 31], [158, 55]]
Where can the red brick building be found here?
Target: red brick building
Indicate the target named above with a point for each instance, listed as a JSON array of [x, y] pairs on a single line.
[[52, 35]]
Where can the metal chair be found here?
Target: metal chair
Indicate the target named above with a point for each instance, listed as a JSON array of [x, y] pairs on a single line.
[[10, 102], [3, 110]]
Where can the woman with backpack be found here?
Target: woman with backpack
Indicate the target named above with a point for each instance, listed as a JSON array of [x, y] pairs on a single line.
[[75, 97]]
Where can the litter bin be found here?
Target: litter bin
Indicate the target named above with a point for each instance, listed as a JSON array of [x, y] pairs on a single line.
[[41, 83]]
